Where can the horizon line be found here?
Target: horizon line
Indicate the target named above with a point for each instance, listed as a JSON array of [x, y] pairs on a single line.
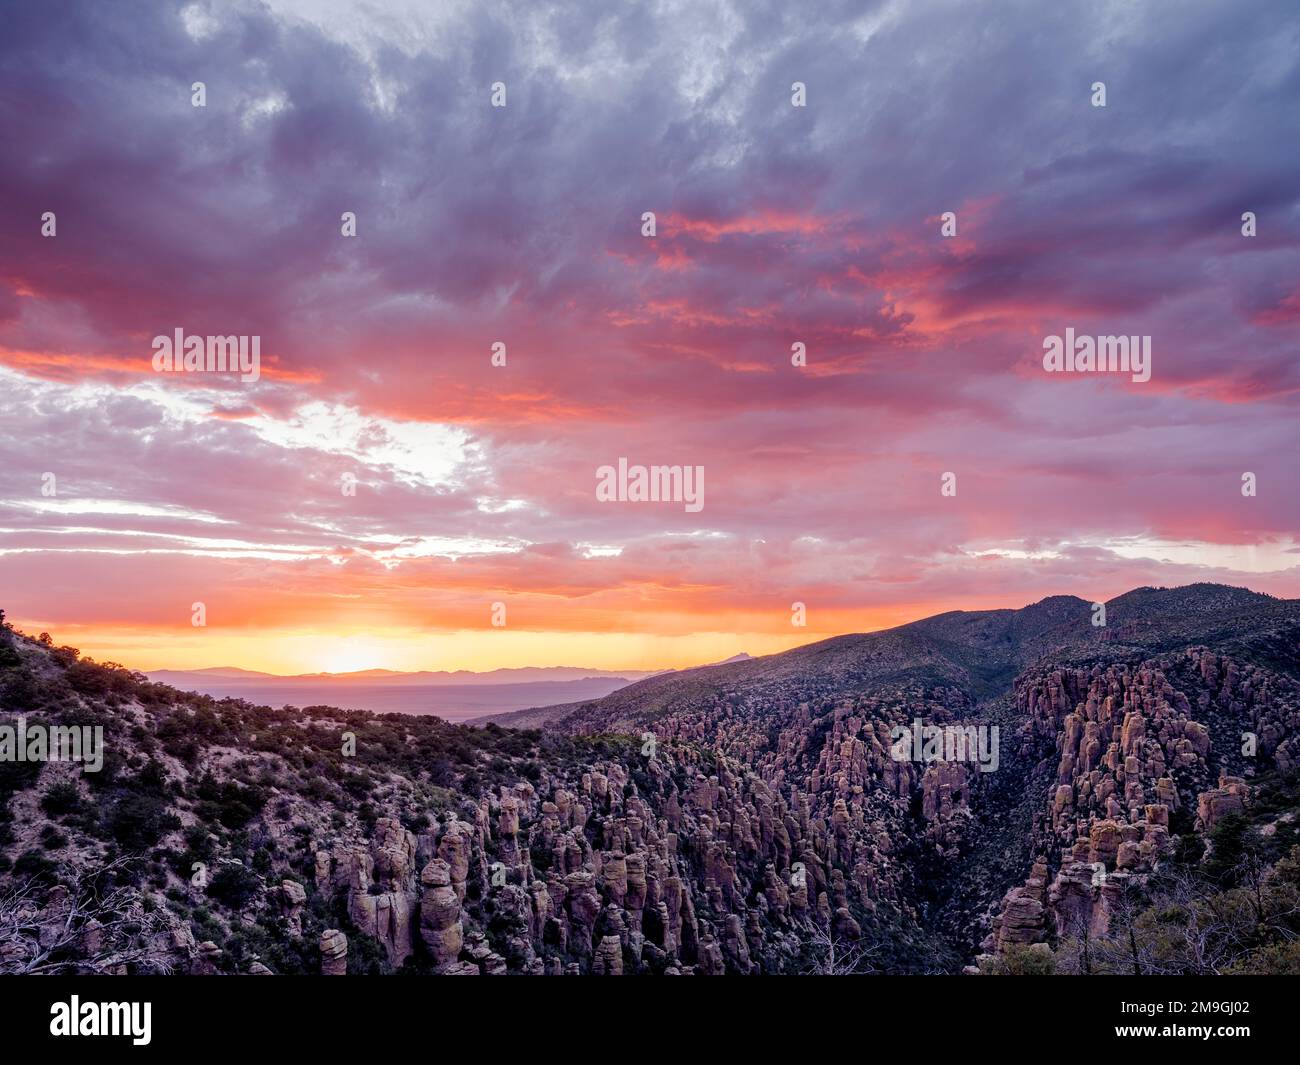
[[343, 675]]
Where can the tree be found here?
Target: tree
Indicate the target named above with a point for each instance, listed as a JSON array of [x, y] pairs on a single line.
[[831, 957], [1123, 922], [8, 656], [1080, 929], [87, 926], [1229, 846]]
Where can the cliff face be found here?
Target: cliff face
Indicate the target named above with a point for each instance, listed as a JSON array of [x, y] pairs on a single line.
[[750, 817], [1133, 745]]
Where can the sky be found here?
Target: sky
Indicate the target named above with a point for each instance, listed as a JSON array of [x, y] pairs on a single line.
[[475, 484]]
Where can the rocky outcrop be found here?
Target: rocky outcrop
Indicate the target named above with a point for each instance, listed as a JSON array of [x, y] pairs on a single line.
[[1129, 745], [1024, 913], [1213, 805], [207, 960], [333, 953], [293, 898], [609, 957], [440, 927], [377, 878]]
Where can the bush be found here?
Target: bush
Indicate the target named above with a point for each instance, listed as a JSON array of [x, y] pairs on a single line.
[[234, 886], [33, 865], [61, 798], [1032, 960], [9, 658], [198, 841], [234, 806], [17, 776], [366, 956], [139, 821], [1280, 959]]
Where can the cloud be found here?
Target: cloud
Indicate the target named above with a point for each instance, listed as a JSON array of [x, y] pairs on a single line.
[[522, 225]]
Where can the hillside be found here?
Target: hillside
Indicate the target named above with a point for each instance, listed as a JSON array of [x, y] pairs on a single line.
[[746, 817], [980, 651]]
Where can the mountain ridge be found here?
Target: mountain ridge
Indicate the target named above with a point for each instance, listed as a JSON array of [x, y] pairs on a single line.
[[1055, 624]]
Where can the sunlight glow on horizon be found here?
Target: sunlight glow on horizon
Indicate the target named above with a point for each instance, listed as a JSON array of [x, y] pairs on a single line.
[[290, 653]]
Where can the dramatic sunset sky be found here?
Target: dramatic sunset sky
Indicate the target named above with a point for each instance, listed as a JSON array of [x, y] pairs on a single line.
[[522, 224]]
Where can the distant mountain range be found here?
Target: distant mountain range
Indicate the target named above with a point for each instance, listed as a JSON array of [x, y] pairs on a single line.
[[456, 695], [461, 677]]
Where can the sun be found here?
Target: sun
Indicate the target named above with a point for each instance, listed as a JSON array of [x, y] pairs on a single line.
[[348, 654]]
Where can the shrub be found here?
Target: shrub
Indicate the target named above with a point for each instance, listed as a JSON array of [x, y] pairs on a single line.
[[61, 798], [33, 865], [139, 821], [234, 886], [1280, 959], [1032, 960], [17, 776], [230, 803]]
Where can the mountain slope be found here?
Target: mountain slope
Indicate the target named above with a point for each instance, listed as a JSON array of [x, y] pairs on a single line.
[[980, 651]]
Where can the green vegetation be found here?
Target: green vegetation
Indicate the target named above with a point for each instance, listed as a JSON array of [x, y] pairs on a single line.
[[1236, 911]]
